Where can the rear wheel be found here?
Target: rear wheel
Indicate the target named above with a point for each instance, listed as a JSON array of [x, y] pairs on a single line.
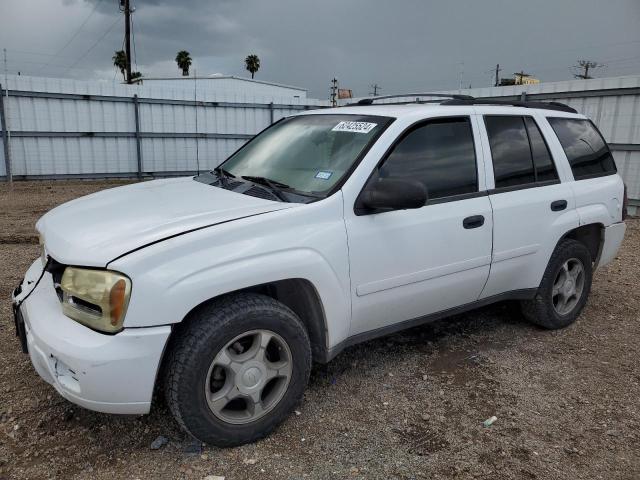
[[564, 288], [236, 369]]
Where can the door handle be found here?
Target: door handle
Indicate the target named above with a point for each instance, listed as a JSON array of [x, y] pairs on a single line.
[[558, 205], [474, 221]]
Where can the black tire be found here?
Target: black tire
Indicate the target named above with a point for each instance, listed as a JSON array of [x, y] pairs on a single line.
[[540, 310], [198, 340]]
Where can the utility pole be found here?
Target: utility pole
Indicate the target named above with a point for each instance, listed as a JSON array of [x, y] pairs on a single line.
[[124, 5], [375, 87], [585, 65], [334, 92], [497, 75]]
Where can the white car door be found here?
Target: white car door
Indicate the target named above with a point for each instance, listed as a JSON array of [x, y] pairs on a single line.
[[406, 264], [532, 207]]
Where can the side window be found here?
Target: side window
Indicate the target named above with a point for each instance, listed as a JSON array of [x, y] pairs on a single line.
[[545, 169], [512, 162], [586, 150], [440, 154]]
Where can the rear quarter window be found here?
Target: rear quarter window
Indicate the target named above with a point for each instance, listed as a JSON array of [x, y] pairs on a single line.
[[586, 150]]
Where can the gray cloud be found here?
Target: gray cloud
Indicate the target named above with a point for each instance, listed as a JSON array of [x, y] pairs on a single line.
[[401, 45]]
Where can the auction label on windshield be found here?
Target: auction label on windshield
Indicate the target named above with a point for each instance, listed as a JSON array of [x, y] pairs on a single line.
[[324, 175], [355, 127]]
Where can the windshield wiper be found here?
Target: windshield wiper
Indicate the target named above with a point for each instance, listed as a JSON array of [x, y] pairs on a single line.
[[223, 175], [273, 185]]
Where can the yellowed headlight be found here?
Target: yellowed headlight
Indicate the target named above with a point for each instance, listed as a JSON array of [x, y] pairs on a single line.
[[95, 298]]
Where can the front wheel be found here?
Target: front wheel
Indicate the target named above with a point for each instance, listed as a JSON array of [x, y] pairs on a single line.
[[237, 368], [564, 288]]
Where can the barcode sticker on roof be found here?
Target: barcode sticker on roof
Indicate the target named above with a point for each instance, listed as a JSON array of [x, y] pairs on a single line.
[[355, 127]]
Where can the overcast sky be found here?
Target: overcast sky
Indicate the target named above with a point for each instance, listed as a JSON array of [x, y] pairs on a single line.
[[401, 45]]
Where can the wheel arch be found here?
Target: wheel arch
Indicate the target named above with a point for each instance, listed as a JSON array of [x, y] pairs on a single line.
[[299, 295], [590, 235]]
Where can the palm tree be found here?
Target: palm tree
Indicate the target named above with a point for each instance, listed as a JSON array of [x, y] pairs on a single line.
[[252, 63], [120, 61], [183, 59]]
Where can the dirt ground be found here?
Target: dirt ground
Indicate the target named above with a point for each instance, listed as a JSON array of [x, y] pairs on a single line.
[[409, 406]]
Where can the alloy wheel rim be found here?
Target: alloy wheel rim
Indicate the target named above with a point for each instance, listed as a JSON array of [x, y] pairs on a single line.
[[568, 286], [248, 377]]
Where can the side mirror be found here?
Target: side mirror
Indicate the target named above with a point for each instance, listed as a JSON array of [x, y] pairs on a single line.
[[388, 194]]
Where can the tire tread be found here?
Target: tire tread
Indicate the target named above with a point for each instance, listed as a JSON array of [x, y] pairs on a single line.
[[539, 310], [192, 335]]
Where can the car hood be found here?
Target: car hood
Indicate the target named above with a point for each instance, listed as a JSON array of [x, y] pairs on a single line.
[[100, 227]]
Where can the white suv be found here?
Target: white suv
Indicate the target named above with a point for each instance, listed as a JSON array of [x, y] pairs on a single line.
[[327, 229]]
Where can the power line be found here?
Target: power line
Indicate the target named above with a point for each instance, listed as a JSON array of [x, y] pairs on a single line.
[[133, 40], [31, 52], [14, 62], [93, 10], [115, 73], [125, 6], [375, 87], [133, 35], [80, 58], [591, 47]]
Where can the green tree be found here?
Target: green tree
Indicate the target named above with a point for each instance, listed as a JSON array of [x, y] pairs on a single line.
[[183, 59], [252, 64], [120, 61]]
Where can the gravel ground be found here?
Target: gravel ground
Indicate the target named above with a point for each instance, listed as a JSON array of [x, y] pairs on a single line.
[[406, 406]]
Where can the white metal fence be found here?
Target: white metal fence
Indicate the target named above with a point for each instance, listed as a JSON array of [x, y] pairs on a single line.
[[62, 128], [55, 128]]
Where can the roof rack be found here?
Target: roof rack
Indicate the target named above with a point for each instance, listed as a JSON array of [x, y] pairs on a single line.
[[561, 107], [458, 99], [371, 100]]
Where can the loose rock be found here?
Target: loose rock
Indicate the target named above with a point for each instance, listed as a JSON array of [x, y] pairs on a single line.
[[159, 442]]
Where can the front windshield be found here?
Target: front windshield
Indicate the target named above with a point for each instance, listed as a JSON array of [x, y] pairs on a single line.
[[308, 153]]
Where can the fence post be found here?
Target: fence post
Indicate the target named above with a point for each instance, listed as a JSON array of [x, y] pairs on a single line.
[[136, 107], [5, 137], [271, 111]]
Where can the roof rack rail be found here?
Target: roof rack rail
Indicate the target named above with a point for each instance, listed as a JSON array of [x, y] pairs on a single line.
[[560, 107], [371, 100]]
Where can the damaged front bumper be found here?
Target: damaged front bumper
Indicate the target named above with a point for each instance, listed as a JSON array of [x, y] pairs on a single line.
[[106, 373]]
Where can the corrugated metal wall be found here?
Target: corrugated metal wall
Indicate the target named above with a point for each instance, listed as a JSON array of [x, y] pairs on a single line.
[[65, 127], [93, 132]]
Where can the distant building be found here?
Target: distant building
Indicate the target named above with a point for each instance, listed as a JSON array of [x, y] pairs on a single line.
[[526, 80], [345, 93], [519, 79], [227, 84]]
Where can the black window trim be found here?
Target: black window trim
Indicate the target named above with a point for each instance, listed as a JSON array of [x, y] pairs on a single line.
[[606, 144], [553, 160], [524, 186], [360, 211]]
